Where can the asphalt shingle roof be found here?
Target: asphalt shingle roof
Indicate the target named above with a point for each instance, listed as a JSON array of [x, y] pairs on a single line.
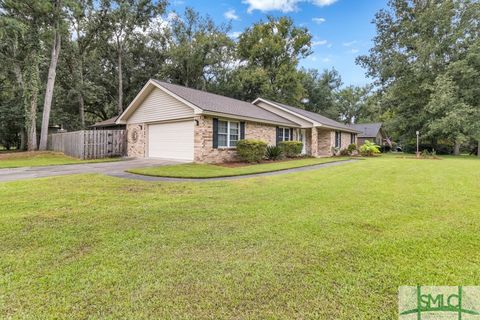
[[368, 130], [216, 103], [106, 123], [313, 116]]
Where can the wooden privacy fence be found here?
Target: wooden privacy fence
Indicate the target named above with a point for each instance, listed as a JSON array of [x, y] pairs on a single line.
[[90, 144]]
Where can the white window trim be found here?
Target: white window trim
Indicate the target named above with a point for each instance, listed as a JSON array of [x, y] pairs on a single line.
[[289, 134], [339, 140], [228, 134]]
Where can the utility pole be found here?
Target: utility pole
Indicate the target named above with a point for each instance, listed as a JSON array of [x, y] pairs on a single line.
[[418, 153]]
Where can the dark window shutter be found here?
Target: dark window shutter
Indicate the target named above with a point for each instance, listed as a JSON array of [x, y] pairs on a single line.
[[242, 130], [215, 133], [339, 139], [291, 134], [279, 135]]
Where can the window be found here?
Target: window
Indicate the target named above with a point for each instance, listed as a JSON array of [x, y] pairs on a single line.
[[352, 138], [228, 133], [285, 133], [338, 139]]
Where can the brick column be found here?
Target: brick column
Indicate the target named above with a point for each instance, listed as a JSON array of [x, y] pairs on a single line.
[[314, 143]]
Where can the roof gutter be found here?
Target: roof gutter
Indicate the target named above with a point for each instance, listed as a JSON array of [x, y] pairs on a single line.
[[233, 116], [338, 128]]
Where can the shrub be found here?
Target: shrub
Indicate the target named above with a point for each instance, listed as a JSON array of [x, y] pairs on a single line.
[[425, 153], [274, 153], [345, 152], [251, 150], [291, 148], [368, 149], [352, 147], [335, 150]]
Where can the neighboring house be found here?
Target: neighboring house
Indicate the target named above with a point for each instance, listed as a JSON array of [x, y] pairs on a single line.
[[175, 122], [109, 124], [373, 132]]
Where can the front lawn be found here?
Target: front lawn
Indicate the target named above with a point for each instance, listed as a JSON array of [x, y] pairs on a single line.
[[333, 243], [212, 171], [39, 158]]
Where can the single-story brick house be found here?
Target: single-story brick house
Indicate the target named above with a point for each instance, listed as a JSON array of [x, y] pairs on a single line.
[[175, 122]]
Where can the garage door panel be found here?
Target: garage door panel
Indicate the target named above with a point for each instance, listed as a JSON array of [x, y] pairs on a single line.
[[171, 140]]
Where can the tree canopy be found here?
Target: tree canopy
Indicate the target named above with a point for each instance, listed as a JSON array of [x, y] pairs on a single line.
[[77, 62]]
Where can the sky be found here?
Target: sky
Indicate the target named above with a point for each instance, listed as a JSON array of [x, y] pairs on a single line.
[[341, 29]]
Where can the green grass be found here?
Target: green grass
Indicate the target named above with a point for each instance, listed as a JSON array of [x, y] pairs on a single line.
[[35, 159], [334, 243], [212, 171]]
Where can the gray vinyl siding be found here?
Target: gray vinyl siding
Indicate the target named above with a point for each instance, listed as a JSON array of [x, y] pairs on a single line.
[[159, 106]]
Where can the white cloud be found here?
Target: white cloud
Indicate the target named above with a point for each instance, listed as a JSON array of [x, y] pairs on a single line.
[[318, 20], [354, 50], [282, 5], [235, 34], [319, 43], [178, 2], [322, 3], [349, 44], [231, 15]]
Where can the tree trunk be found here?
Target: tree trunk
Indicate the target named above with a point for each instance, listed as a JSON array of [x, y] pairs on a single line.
[[30, 96], [81, 99], [456, 148], [478, 149], [31, 122], [52, 72], [23, 139], [81, 110], [120, 81], [23, 135]]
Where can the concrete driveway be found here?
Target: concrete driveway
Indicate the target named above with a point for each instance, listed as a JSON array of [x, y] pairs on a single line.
[[110, 168]]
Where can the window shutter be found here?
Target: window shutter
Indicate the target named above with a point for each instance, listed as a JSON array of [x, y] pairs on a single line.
[[340, 139], [242, 130], [279, 135], [291, 134], [215, 133]]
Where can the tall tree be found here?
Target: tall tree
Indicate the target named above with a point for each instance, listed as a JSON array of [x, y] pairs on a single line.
[[272, 50], [128, 18], [197, 48], [449, 113], [351, 103], [30, 17], [416, 42], [12, 56], [320, 91], [86, 22], [57, 18]]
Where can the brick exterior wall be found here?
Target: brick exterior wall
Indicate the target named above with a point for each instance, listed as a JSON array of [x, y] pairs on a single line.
[[137, 140], [345, 140], [203, 146], [308, 141], [326, 139], [261, 131], [319, 142]]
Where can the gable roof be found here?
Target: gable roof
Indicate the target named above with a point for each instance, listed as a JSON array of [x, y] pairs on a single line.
[[106, 123], [368, 130], [327, 122], [214, 103]]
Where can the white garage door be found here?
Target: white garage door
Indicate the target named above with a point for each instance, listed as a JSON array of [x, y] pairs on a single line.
[[171, 140]]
